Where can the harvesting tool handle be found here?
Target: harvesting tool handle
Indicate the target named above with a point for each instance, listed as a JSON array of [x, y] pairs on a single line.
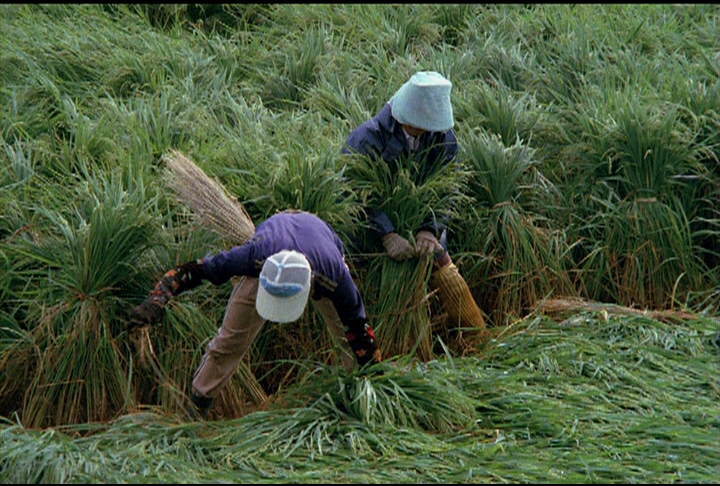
[[443, 239]]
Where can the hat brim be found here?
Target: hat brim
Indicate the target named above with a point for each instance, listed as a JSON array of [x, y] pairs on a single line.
[[281, 309], [423, 106]]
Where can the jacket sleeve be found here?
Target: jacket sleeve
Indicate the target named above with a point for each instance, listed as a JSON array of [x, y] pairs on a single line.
[[367, 139], [358, 330], [239, 260], [380, 222]]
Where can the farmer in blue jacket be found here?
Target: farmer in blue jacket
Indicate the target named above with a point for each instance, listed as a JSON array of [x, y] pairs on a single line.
[[292, 256], [418, 122]]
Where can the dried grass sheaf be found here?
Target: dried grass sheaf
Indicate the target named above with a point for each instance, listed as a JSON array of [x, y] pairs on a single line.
[[208, 200]]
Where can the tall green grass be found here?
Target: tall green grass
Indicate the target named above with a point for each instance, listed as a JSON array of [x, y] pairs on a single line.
[[518, 256], [69, 367], [590, 168]]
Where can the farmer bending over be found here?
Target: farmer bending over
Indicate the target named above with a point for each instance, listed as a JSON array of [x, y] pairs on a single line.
[[291, 256]]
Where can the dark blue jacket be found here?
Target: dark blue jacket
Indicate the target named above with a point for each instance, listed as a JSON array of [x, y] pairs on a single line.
[[303, 232], [382, 138]]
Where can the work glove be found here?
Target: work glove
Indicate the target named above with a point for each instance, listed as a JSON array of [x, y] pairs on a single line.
[[185, 277], [175, 281], [397, 247], [361, 338], [427, 244], [149, 313], [368, 358]]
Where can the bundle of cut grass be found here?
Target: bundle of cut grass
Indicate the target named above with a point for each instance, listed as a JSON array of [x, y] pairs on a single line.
[[573, 305], [525, 256], [215, 209], [398, 303], [402, 396]]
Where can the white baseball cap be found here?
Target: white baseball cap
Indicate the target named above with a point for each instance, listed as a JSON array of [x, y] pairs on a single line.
[[424, 102], [284, 286]]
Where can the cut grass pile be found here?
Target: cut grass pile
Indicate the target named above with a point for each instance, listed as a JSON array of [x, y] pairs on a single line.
[[593, 398]]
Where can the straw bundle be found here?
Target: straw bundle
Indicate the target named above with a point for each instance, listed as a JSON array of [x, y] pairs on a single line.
[[216, 210], [456, 298], [463, 313], [572, 305]]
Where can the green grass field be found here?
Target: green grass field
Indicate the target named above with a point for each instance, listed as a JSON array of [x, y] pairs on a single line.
[[587, 225]]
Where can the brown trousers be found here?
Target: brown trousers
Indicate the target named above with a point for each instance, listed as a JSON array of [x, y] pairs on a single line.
[[239, 329]]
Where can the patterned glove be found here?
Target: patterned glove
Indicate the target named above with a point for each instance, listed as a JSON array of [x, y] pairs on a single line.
[[427, 244], [361, 337], [185, 277], [397, 247], [149, 313], [176, 281]]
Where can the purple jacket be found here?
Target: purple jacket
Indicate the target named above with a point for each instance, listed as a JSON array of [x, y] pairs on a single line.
[[382, 138], [311, 236]]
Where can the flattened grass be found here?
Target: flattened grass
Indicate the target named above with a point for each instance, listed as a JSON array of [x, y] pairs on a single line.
[[594, 398]]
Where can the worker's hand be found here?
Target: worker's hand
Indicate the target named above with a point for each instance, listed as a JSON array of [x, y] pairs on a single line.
[[368, 363], [361, 338], [175, 281], [149, 313], [397, 247], [189, 275], [371, 366], [427, 244], [368, 357]]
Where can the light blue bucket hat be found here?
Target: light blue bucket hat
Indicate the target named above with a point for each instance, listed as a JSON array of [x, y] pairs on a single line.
[[424, 102]]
